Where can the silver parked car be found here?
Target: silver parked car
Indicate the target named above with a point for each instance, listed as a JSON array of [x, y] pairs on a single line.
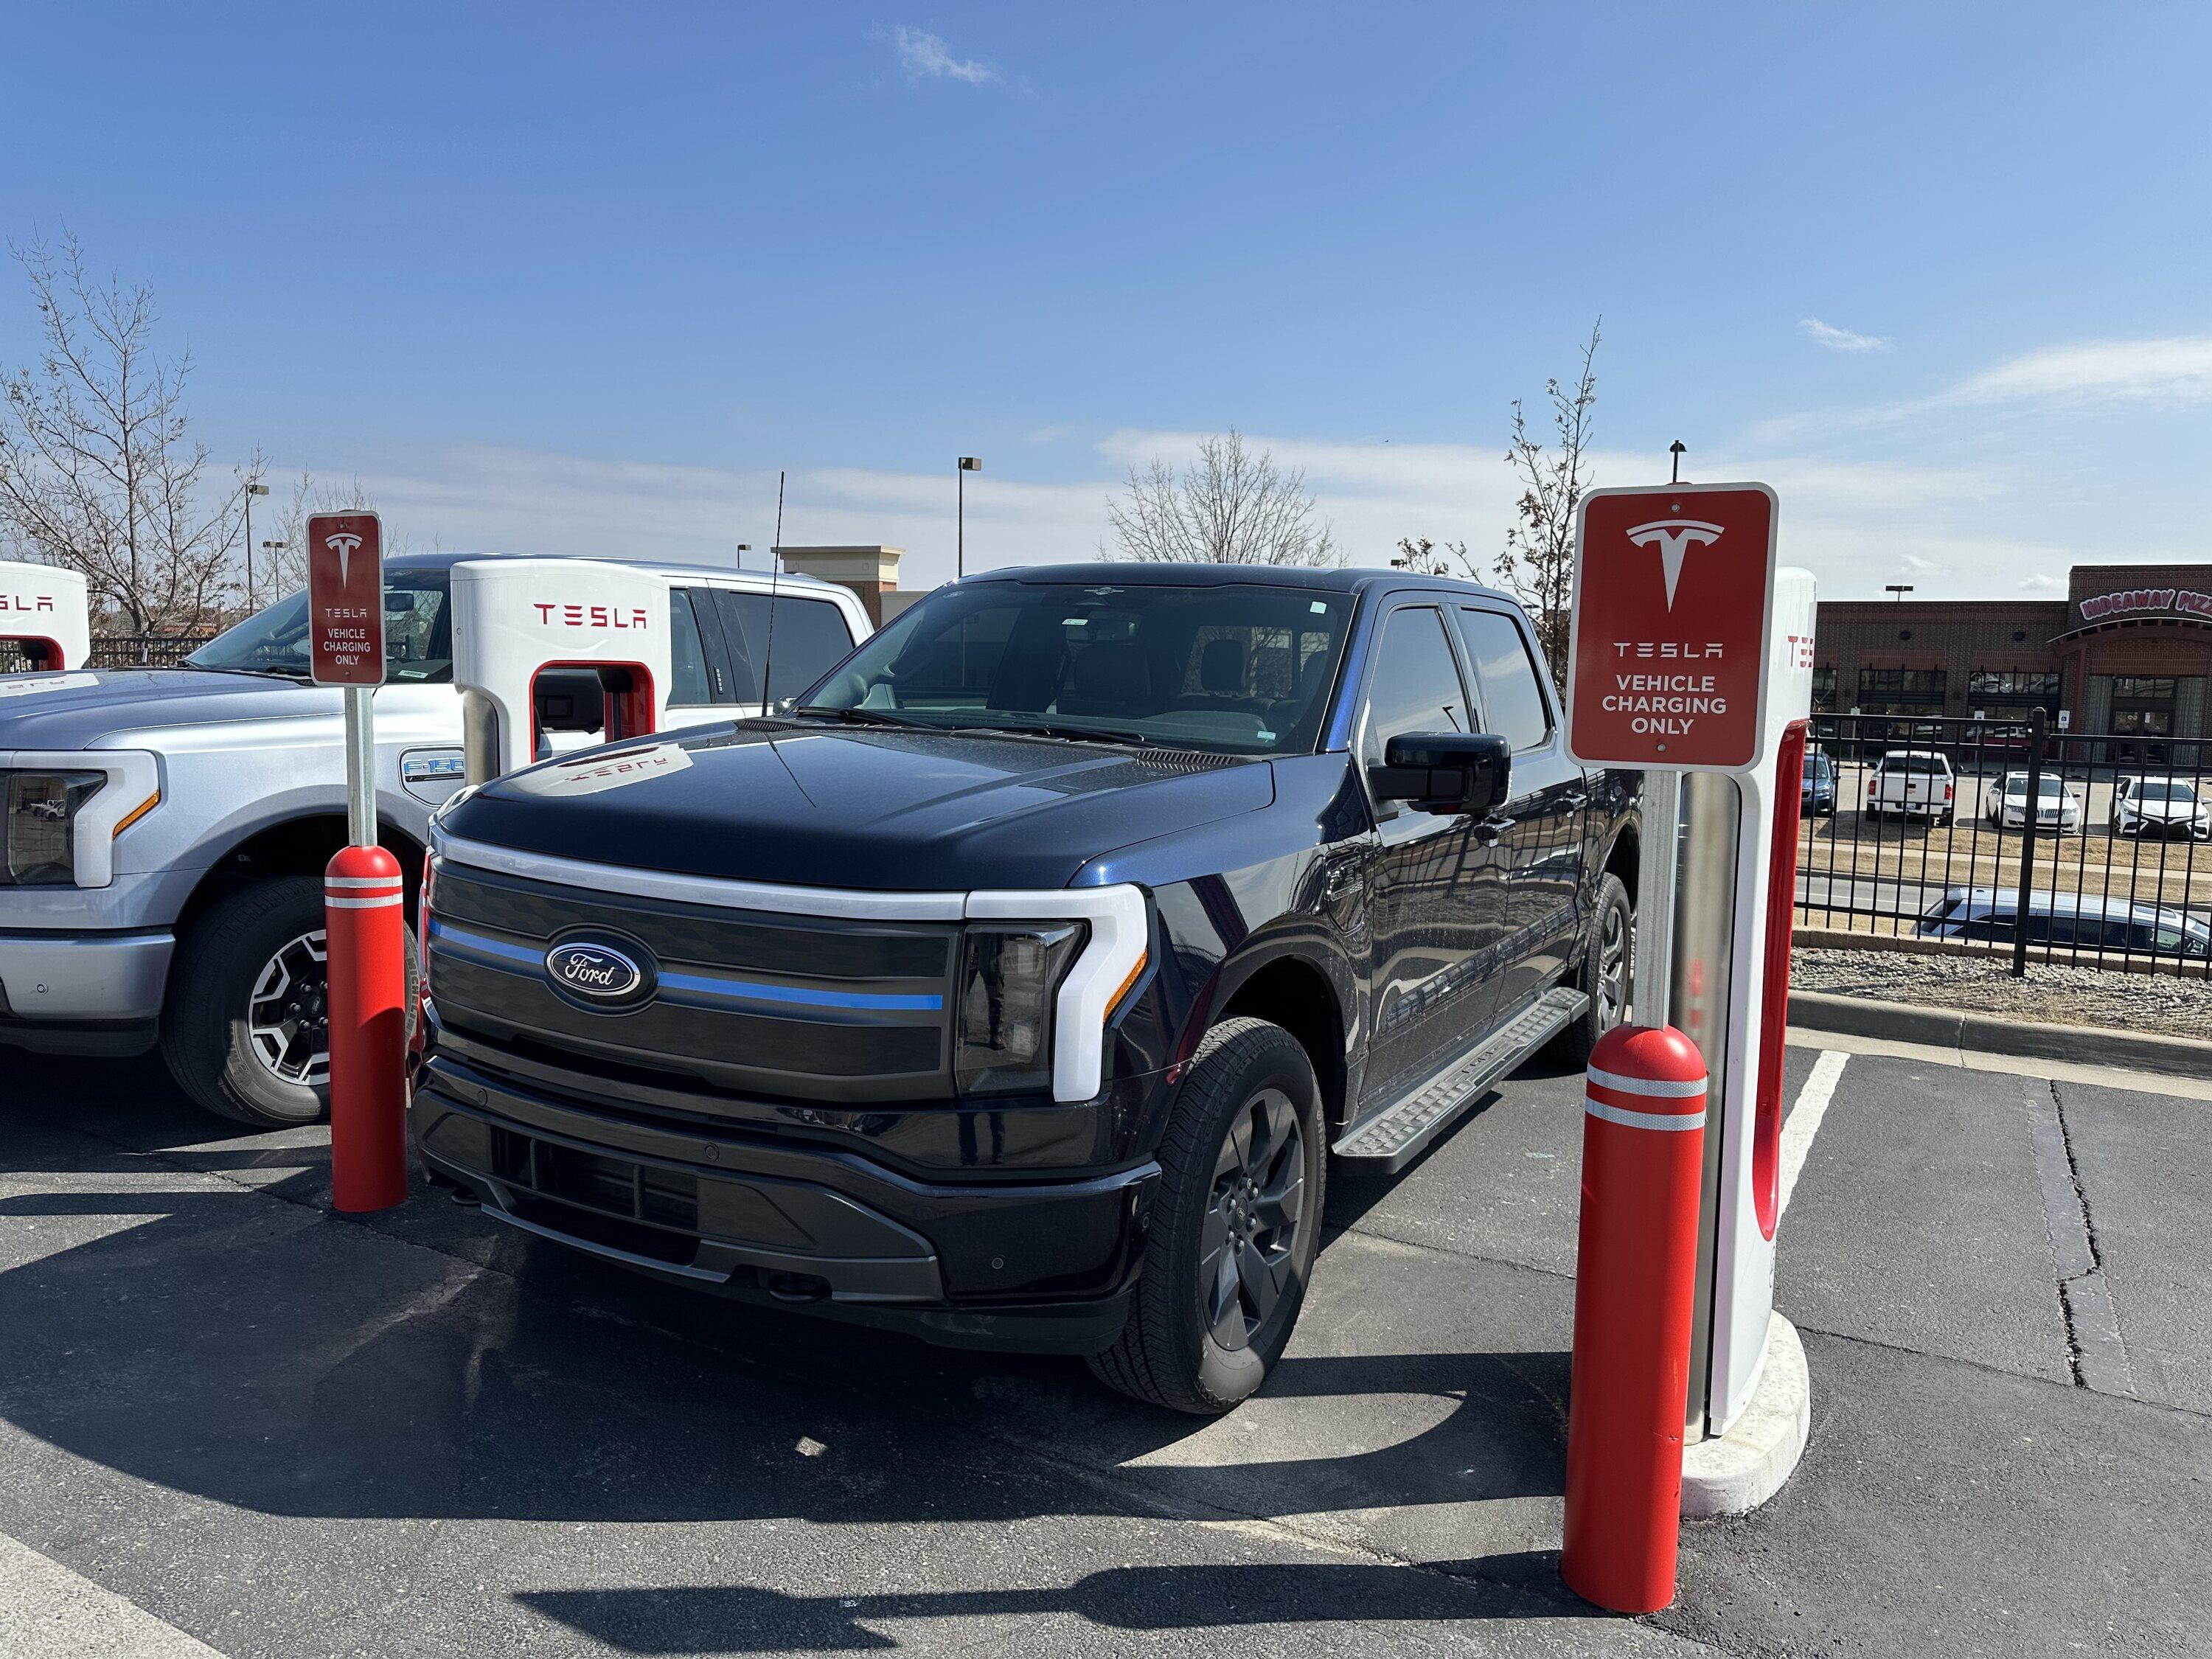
[[2084, 922]]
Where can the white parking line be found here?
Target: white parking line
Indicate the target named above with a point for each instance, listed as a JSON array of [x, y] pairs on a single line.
[[48, 1612], [1804, 1120]]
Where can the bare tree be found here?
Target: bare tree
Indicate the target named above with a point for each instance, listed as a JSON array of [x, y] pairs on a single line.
[[1538, 565], [98, 471], [1229, 507], [280, 570], [1427, 558]]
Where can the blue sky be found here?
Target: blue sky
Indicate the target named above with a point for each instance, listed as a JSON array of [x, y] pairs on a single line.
[[582, 278]]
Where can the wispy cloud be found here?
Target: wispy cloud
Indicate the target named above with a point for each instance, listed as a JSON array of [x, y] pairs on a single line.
[[2178, 369], [925, 56], [1841, 339], [1958, 530]]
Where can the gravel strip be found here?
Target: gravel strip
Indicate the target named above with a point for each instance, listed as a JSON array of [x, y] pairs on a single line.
[[2052, 993]]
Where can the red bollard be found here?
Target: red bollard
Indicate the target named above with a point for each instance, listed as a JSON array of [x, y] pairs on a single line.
[[1634, 1281], [364, 912]]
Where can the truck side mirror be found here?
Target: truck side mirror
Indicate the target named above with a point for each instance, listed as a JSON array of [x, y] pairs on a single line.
[[1445, 772]]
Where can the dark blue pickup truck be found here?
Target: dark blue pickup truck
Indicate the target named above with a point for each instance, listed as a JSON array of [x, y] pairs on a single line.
[[1015, 985]]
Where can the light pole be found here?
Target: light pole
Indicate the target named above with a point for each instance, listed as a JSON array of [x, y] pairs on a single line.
[[252, 488], [744, 548], [968, 463], [273, 549], [1898, 588]]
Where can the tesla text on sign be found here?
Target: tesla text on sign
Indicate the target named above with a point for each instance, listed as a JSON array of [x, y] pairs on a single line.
[[1672, 617], [345, 599]]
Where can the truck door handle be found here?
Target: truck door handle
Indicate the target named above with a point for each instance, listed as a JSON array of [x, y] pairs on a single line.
[[1573, 802], [1490, 831]]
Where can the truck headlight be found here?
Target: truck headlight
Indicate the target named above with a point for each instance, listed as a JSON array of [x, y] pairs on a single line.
[[40, 823], [1010, 978]]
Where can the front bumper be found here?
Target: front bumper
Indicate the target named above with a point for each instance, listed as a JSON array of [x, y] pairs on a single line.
[[1030, 1266], [2167, 828], [82, 994]]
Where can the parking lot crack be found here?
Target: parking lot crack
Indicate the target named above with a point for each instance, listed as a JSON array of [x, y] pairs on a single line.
[[2096, 1355]]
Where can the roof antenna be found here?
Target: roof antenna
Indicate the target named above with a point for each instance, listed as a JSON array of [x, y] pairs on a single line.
[[775, 577]]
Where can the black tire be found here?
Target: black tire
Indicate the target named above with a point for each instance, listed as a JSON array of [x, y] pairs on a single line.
[[1606, 976], [1246, 1071], [207, 1027]]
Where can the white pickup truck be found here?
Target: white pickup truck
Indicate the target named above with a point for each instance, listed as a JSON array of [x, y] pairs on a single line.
[[1912, 783], [163, 831]]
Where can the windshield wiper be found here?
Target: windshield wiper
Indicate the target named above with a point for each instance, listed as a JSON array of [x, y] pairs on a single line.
[[1061, 730], [285, 673], [862, 717]]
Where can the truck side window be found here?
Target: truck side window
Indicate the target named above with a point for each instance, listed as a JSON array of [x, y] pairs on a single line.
[[1512, 701], [810, 638], [687, 657], [1416, 686]]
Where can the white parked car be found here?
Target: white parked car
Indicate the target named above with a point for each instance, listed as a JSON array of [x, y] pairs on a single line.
[[2160, 806], [2056, 807], [1914, 783]]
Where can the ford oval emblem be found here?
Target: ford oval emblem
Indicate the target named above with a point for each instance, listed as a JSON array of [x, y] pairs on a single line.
[[597, 972]]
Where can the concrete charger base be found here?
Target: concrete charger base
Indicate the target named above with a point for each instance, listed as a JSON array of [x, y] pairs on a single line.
[[1742, 1469]]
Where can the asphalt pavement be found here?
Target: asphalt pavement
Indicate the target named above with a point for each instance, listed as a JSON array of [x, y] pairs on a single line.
[[232, 1421]]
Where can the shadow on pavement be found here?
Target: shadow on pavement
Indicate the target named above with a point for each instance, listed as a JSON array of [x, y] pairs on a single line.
[[738, 1619], [271, 1356]]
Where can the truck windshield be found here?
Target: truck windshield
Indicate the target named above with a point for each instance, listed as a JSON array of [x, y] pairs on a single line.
[[418, 635], [1241, 668]]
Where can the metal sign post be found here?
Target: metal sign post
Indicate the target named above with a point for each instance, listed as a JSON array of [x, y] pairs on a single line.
[[364, 892]]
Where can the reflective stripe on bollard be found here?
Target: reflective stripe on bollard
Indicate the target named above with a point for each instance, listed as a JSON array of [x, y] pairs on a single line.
[[1635, 1280], [364, 918]]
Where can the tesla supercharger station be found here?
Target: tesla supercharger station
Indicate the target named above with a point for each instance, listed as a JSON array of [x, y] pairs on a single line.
[[1692, 659], [515, 618], [42, 610]]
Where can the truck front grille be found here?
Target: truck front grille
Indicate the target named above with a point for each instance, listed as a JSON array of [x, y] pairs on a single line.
[[746, 1002]]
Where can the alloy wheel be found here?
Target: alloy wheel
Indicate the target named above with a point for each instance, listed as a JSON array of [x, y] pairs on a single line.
[[289, 1015], [1613, 961], [1248, 1243]]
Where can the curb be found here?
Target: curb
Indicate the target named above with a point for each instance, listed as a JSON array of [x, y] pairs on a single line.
[[1746, 1466], [1994, 1034]]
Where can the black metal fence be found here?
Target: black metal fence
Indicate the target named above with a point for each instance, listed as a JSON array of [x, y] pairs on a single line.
[[122, 651], [2091, 849]]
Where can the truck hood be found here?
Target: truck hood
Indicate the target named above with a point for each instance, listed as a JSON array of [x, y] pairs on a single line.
[[828, 806], [77, 709]]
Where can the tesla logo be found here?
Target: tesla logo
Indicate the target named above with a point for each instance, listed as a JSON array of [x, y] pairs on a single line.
[[592, 616], [1675, 537], [343, 545], [26, 602]]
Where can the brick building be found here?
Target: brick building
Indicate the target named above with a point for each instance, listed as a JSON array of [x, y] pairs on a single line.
[[2128, 651]]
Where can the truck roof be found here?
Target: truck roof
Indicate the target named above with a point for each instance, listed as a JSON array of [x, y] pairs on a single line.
[[1123, 572], [672, 568]]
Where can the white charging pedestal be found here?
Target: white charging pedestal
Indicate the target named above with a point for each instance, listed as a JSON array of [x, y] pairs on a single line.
[[513, 619], [44, 612]]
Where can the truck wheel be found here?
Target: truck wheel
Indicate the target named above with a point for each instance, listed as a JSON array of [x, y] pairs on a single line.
[[1236, 1225], [1607, 973], [245, 1031]]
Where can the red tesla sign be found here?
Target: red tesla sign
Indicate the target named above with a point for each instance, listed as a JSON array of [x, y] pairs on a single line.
[[1674, 594], [345, 599]]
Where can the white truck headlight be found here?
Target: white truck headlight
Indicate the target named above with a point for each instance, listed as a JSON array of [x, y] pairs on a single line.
[[41, 819], [61, 812]]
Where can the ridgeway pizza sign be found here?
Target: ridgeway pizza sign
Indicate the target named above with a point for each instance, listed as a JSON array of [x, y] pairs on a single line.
[[2136, 600]]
